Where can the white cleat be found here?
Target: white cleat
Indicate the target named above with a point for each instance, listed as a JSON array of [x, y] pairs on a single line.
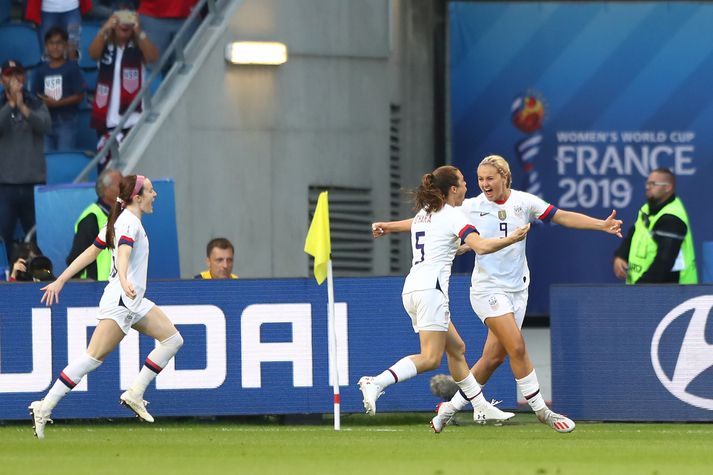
[[371, 392], [488, 413], [39, 419], [558, 422], [136, 404], [444, 413]]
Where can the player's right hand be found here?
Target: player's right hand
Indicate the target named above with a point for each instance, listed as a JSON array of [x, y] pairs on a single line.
[[128, 289], [377, 230], [52, 291]]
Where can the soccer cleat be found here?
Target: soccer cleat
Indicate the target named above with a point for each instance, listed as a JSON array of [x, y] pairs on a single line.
[[444, 413], [371, 392], [39, 419], [558, 422], [489, 413], [136, 404]]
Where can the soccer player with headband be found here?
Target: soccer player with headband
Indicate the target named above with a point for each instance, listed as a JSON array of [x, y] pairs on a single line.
[[122, 306]]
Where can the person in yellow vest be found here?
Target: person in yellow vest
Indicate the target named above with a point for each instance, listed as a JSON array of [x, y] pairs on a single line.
[[659, 247], [93, 218], [220, 253]]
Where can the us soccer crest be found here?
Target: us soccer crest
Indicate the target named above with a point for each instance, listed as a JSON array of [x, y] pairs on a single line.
[[130, 80], [102, 95], [502, 215]]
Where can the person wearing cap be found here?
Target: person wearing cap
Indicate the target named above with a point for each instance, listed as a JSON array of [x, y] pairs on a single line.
[[91, 221], [24, 121], [122, 49]]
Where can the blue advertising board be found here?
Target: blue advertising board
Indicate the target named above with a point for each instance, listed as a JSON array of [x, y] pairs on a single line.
[[251, 347], [637, 353], [584, 99]]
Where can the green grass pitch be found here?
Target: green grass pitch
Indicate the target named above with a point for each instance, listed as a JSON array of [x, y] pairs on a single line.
[[385, 444]]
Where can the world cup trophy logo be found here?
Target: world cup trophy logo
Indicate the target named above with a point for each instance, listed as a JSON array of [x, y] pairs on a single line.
[[528, 112]]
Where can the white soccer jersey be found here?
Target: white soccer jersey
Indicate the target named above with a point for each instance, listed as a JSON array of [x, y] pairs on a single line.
[[435, 238], [127, 231], [506, 269]]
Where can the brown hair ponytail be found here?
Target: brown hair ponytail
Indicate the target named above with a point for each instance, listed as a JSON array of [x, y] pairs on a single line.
[[432, 193], [126, 188]]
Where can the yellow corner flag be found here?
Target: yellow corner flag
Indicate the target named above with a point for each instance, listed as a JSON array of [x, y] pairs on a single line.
[[318, 243]]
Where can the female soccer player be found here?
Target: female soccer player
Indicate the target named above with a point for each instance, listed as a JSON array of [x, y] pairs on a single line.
[[437, 230], [499, 283], [122, 306]]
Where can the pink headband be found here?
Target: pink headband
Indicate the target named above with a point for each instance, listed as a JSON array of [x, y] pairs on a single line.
[[137, 187]]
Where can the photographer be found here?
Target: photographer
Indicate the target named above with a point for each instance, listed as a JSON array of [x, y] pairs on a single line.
[[29, 265]]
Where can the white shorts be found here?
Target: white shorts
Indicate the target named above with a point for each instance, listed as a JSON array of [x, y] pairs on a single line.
[[124, 317], [487, 305], [428, 310]]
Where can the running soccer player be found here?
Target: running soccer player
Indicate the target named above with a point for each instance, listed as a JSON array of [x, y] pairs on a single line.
[[436, 232], [499, 284], [122, 306]]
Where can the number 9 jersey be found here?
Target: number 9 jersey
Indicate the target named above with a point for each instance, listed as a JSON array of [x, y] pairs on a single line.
[[506, 269], [435, 238]]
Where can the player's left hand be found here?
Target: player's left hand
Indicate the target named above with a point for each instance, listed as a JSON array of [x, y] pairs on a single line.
[[613, 225]]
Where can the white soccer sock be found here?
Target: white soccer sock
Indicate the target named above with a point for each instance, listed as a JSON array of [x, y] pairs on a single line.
[[155, 362], [404, 369], [530, 389], [470, 390], [68, 379]]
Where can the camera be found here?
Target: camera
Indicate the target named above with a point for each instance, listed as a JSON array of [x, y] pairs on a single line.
[[39, 269], [126, 17]]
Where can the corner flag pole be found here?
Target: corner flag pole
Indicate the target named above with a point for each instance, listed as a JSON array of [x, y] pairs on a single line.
[[318, 244], [333, 360]]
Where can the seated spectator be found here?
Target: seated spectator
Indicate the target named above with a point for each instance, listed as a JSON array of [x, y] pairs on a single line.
[[65, 14], [93, 218], [60, 85], [219, 260], [122, 50], [24, 121], [29, 265]]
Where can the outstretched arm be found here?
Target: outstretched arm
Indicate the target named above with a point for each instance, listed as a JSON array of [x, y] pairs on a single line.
[[380, 228], [570, 219], [489, 245], [52, 290]]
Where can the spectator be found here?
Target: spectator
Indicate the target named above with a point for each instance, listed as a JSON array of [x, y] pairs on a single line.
[[29, 265], [658, 249], [162, 19], [122, 50], [66, 14], [220, 253], [24, 120], [93, 218], [60, 85]]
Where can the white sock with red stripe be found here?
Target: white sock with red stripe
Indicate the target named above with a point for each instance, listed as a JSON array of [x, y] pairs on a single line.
[[471, 391], [402, 370], [530, 389], [68, 379], [156, 361]]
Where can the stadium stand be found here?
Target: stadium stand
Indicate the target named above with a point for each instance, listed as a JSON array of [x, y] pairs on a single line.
[[89, 31], [63, 167], [19, 41]]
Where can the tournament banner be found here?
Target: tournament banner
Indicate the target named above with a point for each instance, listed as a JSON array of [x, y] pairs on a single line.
[[584, 99], [251, 347], [637, 353]]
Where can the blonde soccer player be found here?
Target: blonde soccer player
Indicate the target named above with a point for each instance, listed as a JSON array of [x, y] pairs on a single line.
[[499, 283], [123, 305], [437, 231]]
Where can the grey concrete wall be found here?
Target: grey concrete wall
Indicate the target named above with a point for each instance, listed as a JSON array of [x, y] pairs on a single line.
[[244, 143]]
